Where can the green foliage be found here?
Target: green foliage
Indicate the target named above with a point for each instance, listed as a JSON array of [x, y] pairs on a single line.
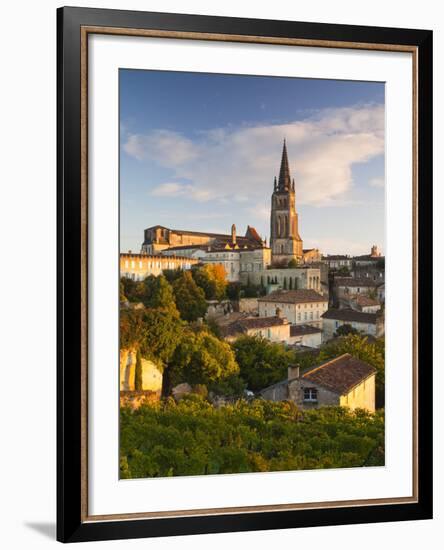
[[293, 263], [172, 274], [231, 386], [190, 299], [233, 291], [157, 293], [138, 374], [252, 291], [343, 271], [128, 290], [345, 329], [211, 278], [261, 362], [201, 358], [194, 438], [155, 332], [359, 346]]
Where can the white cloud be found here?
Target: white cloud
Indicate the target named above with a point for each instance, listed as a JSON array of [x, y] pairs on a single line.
[[173, 189], [377, 182], [240, 164]]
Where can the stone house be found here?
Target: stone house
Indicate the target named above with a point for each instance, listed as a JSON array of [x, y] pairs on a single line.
[[300, 307], [344, 381], [365, 304], [337, 261], [151, 374], [366, 323], [274, 329], [306, 336]]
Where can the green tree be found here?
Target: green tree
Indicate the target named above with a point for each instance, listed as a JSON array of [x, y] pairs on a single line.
[[163, 331], [128, 290], [261, 362], [172, 274], [233, 291], [293, 263], [138, 374], [344, 271], [190, 299], [201, 358], [212, 279], [157, 293], [345, 329]]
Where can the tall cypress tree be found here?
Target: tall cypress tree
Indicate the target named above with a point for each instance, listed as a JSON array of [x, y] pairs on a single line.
[[138, 376]]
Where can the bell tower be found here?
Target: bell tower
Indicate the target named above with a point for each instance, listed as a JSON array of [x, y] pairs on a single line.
[[285, 242]]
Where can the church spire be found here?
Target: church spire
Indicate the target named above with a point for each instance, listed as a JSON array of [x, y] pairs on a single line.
[[284, 183]]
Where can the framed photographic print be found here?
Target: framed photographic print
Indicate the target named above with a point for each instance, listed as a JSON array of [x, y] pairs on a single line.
[[244, 274]]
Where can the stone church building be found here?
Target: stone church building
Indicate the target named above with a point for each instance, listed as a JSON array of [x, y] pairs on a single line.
[[285, 241], [246, 258]]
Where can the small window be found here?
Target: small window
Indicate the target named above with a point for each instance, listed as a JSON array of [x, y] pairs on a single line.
[[311, 395]]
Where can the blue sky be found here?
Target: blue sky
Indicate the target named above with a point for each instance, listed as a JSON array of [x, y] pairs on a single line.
[[200, 151]]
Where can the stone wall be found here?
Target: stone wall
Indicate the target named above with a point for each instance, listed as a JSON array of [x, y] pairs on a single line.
[[362, 396], [248, 305], [151, 374], [296, 394]]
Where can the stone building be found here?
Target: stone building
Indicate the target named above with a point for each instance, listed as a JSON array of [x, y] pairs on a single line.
[[140, 266], [300, 307], [338, 261], [344, 381], [365, 304], [238, 255], [345, 289], [158, 239], [285, 279], [274, 329], [305, 336], [366, 323], [285, 242]]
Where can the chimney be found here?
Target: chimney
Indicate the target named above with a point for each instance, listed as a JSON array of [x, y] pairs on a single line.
[[293, 372], [278, 312]]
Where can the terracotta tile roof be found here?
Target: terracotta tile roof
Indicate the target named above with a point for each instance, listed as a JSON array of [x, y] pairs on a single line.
[[262, 322], [301, 330], [241, 326], [294, 296], [350, 315], [365, 301], [340, 375]]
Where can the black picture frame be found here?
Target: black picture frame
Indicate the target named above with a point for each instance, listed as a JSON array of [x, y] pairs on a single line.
[[71, 524]]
